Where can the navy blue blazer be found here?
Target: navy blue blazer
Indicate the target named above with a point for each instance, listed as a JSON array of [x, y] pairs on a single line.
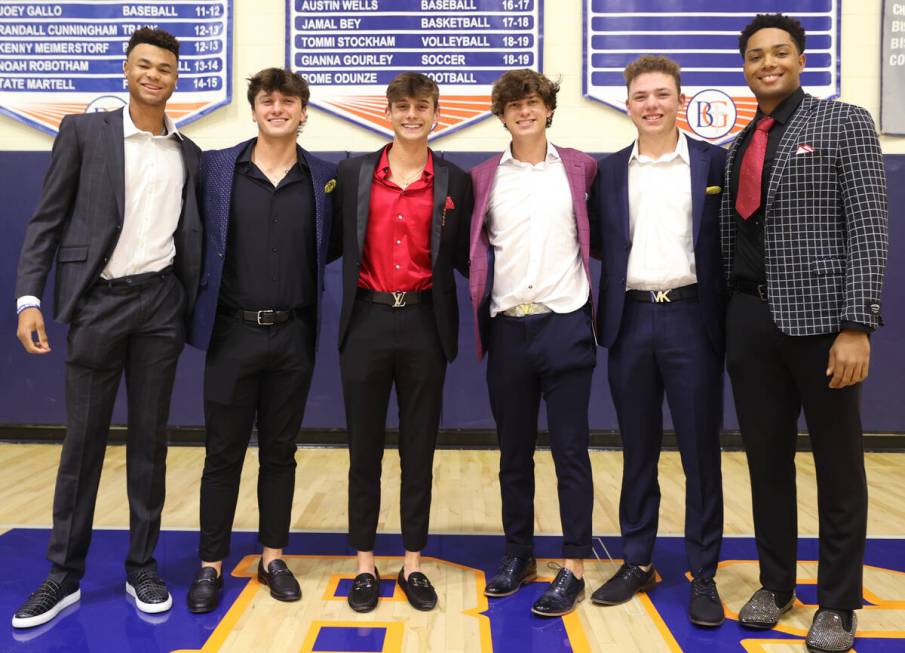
[[608, 206], [217, 172]]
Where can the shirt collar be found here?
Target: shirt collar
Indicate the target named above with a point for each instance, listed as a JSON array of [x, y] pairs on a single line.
[[382, 171], [244, 157], [551, 155], [785, 109], [681, 151], [129, 128]]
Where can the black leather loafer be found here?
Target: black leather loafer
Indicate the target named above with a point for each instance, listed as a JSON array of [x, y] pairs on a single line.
[[283, 585], [204, 592], [514, 572], [418, 590], [365, 592]]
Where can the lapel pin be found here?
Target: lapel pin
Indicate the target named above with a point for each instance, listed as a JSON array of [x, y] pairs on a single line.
[[329, 186]]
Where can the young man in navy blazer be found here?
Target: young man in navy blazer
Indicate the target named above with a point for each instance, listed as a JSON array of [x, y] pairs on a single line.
[[267, 211], [661, 317]]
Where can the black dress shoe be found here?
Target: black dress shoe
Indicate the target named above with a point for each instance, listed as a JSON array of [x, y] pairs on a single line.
[[514, 572], [705, 607], [46, 602], [204, 592], [625, 583], [365, 591], [561, 596], [283, 585], [418, 590]]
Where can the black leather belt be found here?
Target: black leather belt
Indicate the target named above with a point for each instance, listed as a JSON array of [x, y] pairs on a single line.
[[267, 317], [136, 280], [747, 287], [681, 294], [398, 299]]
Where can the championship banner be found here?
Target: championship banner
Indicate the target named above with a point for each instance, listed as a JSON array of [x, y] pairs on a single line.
[[349, 50], [892, 69], [58, 58], [702, 36]]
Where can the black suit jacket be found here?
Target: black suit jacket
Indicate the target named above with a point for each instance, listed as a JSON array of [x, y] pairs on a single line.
[[80, 214], [449, 238]]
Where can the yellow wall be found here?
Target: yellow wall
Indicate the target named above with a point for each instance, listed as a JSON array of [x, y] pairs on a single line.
[[260, 42]]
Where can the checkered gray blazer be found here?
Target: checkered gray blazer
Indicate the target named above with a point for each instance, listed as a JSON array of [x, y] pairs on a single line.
[[825, 228]]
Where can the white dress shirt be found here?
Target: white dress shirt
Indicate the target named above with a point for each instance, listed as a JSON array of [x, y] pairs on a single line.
[[660, 229], [154, 175], [531, 227]]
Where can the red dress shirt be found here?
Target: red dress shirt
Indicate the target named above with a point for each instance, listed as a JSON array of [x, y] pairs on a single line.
[[397, 251]]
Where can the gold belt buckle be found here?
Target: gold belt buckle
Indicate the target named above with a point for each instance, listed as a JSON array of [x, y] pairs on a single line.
[[398, 298]]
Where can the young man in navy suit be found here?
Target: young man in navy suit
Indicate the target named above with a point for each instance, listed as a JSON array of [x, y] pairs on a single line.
[[661, 317], [267, 213]]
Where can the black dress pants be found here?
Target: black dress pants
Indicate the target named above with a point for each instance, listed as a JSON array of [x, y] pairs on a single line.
[[253, 374], [773, 377], [550, 356], [133, 326], [386, 346]]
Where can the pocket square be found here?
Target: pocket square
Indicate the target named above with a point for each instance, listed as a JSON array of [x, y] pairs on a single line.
[[449, 203], [714, 190], [804, 148]]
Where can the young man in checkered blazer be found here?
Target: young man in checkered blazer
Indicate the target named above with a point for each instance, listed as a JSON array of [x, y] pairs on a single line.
[[804, 236]]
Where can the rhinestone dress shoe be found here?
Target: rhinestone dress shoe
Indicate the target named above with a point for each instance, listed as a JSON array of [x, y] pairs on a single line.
[[46, 602], [761, 612], [828, 632], [204, 592], [149, 591], [418, 590], [705, 607], [514, 572], [365, 591], [278, 577], [625, 583], [561, 596]]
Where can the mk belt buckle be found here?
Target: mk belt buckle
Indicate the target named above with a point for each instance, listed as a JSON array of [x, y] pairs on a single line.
[[263, 318], [660, 296], [398, 298]]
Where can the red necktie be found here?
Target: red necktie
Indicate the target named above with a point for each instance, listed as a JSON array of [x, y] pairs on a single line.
[[747, 199]]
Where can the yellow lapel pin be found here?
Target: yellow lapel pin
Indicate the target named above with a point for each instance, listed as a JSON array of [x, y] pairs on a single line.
[[714, 190], [329, 186]]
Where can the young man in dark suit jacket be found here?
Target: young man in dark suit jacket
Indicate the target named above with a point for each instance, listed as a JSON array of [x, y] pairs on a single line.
[[530, 286], [804, 232], [119, 214], [661, 317], [266, 205], [401, 226]]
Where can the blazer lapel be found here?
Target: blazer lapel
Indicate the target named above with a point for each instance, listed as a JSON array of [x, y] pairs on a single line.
[[700, 161], [317, 183], [787, 147], [441, 187], [116, 158], [620, 183], [365, 177]]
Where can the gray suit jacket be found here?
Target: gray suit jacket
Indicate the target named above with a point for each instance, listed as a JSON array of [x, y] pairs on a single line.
[[80, 214]]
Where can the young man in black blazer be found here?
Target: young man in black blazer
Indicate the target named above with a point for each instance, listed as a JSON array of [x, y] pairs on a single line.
[[804, 235], [401, 226]]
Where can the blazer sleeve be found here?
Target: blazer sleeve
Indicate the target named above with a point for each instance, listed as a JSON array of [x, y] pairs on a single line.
[[44, 230], [595, 197], [335, 249], [863, 186], [463, 236]]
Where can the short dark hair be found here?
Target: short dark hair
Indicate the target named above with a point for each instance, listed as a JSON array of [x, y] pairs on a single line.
[[153, 36], [278, 79], [653, 64], [518, 84], [779, 21], [413, 85]]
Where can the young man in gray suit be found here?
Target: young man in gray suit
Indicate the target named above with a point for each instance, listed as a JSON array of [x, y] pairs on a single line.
[[118, 213], [804, 234]]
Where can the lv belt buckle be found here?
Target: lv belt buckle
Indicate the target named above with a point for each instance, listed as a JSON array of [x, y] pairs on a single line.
[[660, 296], [398, 298], [266, 318]]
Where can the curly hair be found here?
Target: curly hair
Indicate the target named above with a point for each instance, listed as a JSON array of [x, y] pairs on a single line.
[[779, 21], [153, 36], [518, 84], [277, 79]]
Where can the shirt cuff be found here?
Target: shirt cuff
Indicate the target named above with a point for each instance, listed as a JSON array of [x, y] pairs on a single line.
[[27, 301], [856, 326]]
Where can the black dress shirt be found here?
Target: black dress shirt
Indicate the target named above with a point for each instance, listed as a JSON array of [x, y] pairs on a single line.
[[270, 252], [749, 262]]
